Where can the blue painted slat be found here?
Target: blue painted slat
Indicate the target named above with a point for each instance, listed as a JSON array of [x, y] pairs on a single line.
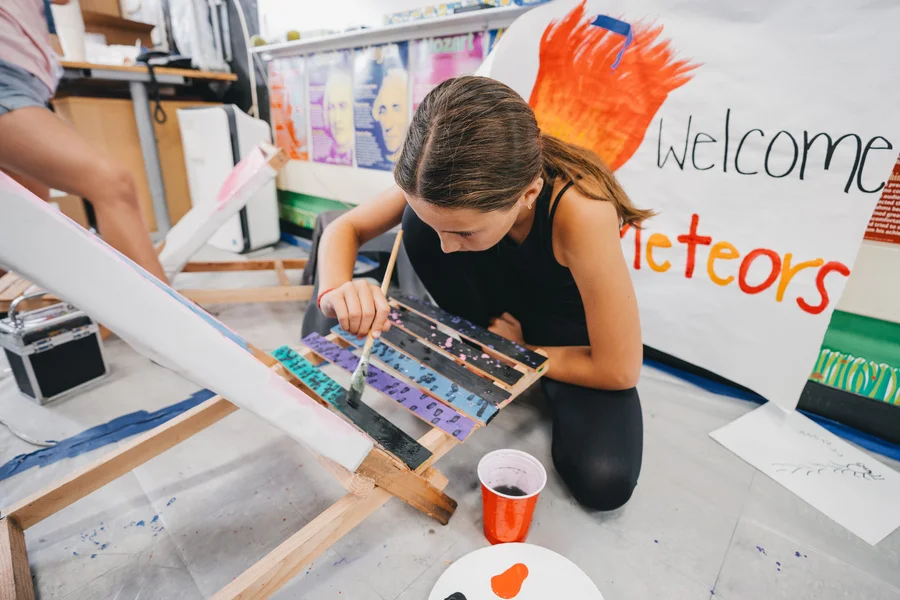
[[451, 393]]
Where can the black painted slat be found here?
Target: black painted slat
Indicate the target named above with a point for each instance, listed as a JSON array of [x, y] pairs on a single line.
[[479, 334], [392, 438], [424, 329], [410, 346]]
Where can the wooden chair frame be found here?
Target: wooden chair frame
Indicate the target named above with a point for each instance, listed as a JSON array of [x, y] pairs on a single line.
[[12, 285], [381, 475]]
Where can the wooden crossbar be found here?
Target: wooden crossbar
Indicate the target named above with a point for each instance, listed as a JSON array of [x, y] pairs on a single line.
[[455, 394]]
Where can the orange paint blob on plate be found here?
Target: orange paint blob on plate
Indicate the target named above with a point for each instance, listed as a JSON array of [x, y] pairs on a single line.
[[508, 584]]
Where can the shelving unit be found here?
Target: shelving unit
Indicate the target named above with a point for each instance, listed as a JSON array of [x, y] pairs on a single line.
[[481, 20]]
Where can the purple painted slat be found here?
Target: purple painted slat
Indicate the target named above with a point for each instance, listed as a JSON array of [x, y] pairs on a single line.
[[423, 405]]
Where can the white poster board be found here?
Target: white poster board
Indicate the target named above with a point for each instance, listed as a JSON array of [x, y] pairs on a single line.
[[762, 137], [846, 484]]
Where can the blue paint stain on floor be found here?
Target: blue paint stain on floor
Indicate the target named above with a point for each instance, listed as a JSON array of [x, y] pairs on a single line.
[[154, 519], [170, 502], [343, 560], [101, 435], [761, 550]]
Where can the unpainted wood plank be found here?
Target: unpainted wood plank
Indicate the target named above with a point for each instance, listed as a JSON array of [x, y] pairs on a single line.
[[295, 293], [15, 574], [16, 289], [391, 437], [476, 333], [459, 375], [468, 402], [37, 507], [290, 558], [279, 272], [228, 265], [392, 475], [422, 405], [7, 280], [462, 353]]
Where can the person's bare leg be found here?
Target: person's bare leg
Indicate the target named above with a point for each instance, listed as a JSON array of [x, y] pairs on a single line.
[[37, 144], [34, 186]]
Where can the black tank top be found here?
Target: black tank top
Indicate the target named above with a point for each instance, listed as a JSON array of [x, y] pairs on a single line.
[[544, 286]]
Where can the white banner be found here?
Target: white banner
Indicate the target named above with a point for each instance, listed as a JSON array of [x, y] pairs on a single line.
[[762, 134]]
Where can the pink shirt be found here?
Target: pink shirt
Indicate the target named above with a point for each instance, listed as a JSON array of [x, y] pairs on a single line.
[[25, 39]]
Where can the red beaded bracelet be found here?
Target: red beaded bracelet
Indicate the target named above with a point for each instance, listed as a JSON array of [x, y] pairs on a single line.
[[322, 295]]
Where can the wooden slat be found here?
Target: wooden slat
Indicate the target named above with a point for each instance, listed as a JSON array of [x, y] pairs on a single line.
[[393, 476], [427, 380], [279, 272], [6, 281], [62, 493], [243, 265], [68, 64], [297, 293], [490, 341], [391, 437], [16, 289], [290, 558], [15, 574], [420, 404], [461, 376], [464, 354]]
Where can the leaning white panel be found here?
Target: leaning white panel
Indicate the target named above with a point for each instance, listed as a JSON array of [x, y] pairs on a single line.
[[47, 248]]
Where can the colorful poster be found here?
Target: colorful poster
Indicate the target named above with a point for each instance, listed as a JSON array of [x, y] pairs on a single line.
[[438, 59], [381, 104], [331, 106], [764, 160], [884, 226], [287, 100]]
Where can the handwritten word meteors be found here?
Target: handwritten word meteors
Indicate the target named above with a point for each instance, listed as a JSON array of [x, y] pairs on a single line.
[[780, 269], [786, 153]]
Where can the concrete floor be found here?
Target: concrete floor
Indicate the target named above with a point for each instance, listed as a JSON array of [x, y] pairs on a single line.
[[702, 523]]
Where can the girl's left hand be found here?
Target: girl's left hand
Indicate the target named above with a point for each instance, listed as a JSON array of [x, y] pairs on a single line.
[[509, 327]]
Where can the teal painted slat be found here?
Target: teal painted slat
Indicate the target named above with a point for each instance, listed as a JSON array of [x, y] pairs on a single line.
[[389, 436]]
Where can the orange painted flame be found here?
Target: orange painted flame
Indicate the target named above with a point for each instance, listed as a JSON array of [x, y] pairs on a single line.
[[578, 98], [508, 584]]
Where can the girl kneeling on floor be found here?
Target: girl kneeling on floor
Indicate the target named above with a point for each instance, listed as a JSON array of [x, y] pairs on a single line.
[[517, 231]]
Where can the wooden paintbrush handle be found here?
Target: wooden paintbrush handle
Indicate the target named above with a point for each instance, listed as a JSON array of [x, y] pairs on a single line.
[[386, 282]]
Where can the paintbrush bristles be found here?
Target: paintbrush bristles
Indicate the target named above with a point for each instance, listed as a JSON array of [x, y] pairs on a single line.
[[358, 380]]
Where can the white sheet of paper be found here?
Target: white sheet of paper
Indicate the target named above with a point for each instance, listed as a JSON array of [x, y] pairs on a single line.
[[847, 485]]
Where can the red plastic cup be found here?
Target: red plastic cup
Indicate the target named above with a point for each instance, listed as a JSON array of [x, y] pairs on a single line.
[[511, 481]]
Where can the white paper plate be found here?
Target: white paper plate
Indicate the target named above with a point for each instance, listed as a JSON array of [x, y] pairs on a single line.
[[549, 575]]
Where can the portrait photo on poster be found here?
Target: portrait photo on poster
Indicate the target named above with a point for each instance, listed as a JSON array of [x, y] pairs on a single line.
[[330, 76], [287, 100], [381, 104]]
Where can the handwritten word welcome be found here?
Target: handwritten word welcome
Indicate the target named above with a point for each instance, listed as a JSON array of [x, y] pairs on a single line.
[[803, 147], [781, 269]]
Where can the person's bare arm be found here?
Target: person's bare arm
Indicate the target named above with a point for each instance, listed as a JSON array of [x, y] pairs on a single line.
[[358, 306], [586, 240]]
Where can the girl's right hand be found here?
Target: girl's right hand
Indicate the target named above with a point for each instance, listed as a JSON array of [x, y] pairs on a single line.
[[359, 306]]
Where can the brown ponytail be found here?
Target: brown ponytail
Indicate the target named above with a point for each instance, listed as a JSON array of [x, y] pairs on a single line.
[[590, 175], [475, 143]]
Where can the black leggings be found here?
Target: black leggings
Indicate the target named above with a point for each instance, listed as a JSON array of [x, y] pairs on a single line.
[[598, 435]]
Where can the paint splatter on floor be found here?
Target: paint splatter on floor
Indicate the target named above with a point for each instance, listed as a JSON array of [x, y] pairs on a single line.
[[170, 502], [343, 560], [761, 550]]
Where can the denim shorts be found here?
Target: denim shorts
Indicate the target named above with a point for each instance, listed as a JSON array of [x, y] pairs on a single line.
[[20, 89]]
